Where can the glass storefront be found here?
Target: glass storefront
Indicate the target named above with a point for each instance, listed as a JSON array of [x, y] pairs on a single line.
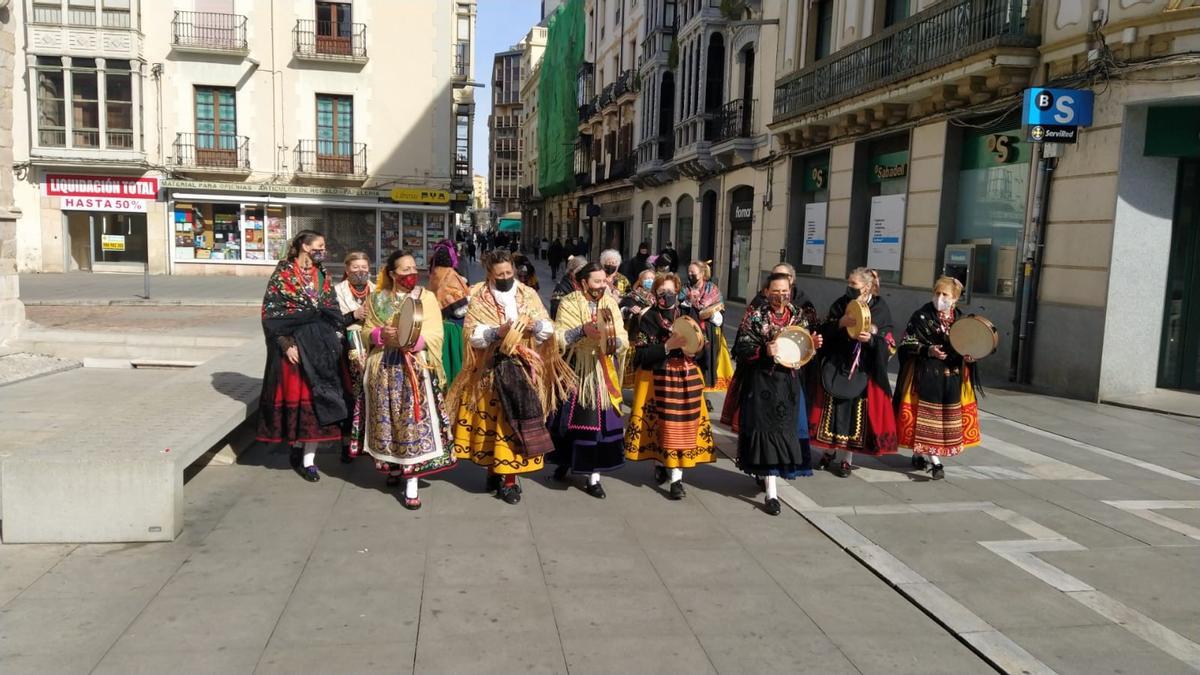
[[100, 241], [244, 232], [809, 185], [993, 184]]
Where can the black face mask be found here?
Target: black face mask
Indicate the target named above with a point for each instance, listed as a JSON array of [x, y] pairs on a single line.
[[693, 279], [504, 285], [643, 254], [610, 269], [667, 300], [852, 293]]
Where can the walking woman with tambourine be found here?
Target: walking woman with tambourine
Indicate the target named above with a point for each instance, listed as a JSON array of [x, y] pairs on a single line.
[[772, 346], [936, 411], [852, 408], [408, 431], [668, 422]]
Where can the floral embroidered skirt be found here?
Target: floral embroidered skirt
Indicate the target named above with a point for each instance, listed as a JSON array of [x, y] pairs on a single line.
[[944, 422], [408, 431]]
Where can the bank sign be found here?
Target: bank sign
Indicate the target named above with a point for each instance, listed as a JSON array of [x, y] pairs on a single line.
[[102, 193], [1055, 115]]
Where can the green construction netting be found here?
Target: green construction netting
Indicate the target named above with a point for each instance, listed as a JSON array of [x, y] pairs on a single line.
[[558, 112]]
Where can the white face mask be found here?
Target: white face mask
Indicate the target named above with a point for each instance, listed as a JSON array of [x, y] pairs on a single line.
[[942, 303]]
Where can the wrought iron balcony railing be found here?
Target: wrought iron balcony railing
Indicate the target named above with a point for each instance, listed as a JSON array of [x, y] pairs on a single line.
[[944, 33], [334, 158], [462, 66], [586, 111], [212, 151], [209, 31], [734, 120], [327, 40], [627, 82], [606, 96]]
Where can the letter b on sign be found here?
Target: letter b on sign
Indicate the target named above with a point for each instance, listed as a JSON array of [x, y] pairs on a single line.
[[1044, 100]]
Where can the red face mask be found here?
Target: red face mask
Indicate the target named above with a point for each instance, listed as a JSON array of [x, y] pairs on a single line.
[[405, 282]]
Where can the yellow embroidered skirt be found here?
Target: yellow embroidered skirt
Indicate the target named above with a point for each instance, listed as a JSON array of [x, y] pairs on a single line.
[[483, 435], [650, 430]]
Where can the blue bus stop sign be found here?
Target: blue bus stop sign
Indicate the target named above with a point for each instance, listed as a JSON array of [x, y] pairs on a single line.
[[1058, 107]]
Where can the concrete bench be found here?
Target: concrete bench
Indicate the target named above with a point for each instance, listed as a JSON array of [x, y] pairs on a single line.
[[120, 478]]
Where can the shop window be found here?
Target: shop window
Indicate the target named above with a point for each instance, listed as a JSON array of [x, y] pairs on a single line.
[[229, 232], [216, 126], [345, 230], [993, 183], [808, 213]]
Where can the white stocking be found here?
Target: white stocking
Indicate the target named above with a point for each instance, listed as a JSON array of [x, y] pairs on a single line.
[[594, 478], [410, 488], [676, 475], [772, 489], [310, 454], [935, 460], [847, 456]]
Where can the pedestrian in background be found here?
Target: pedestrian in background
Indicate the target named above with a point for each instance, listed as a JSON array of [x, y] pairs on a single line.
[[303, 402]]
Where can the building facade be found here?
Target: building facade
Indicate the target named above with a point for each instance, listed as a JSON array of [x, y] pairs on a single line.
[[12, 312], [197, 136], [1082, 255], [510, 71], [532, 207]]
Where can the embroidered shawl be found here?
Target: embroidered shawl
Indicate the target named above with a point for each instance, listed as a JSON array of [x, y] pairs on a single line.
[[584, 356], [381, 309]]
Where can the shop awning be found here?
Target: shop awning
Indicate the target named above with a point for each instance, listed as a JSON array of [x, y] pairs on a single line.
[[510, 222]]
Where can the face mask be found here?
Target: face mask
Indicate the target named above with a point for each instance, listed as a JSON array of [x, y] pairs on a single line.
[[317, 256], [406, 282], [942, 303], [667, 300], [504, 285], [693, 279], [643, 253], [359, 278], [648, 284], [852, 293], [595, 294], [610, 269]]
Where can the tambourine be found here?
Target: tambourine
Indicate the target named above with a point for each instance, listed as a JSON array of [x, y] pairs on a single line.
[[974, 336], [608, 331], [512, 339], [794, 347], [693, 335], [860, 312], [408, 319], [707, 312]]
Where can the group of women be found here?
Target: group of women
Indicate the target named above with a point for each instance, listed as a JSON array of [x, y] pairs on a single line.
[[495, 379]]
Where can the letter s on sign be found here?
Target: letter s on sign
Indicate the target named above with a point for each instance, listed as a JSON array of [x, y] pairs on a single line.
[[1064, 112]]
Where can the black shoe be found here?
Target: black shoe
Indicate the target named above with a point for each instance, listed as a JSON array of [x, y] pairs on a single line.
[[346, 458], [493, 482], [842, 470], [919, 462], [772, 507], [310, 474], [709, 404], [939, 472], [826, 460], [560, 473], [677, 491], [660, 475], [596, 490], [509, 493]]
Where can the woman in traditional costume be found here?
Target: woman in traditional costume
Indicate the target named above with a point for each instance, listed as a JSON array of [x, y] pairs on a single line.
[[303, 401], [703, 296], [935, 403], [501, 400], [408, 431], [773, 429], [669, 421], [618, 284], [635, 303], [352, 292], [525, 272], [852, 407], [566, 285], [588, 431], [451, 290]]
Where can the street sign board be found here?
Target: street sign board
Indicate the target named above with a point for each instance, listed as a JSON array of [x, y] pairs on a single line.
[[1058, 107]]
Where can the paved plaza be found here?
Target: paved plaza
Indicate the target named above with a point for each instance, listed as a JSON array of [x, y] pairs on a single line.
[[1068, 542]]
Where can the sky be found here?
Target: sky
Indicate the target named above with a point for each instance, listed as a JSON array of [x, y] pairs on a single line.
[[499, 24]]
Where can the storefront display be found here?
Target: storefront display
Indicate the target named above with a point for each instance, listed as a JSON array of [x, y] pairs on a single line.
[[993, 185], [224, 232]]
